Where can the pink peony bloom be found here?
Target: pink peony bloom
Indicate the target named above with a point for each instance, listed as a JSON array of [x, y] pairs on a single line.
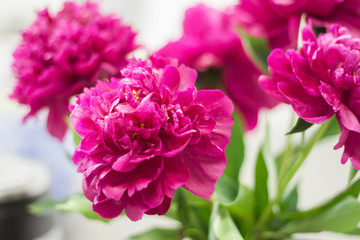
[[148, 133], [320, 79], [60, 55], [210, 41], [279, 20]]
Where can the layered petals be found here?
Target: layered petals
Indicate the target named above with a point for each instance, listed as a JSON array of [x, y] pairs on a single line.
[[147, 134], [210, 42], [279, 20], [319, 80], [60, 55]]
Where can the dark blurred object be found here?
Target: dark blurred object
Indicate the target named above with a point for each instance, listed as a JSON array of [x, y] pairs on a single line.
[[23, 182]]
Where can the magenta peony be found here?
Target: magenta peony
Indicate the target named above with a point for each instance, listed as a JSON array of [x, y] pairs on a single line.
[[148, 133], [319, 80], [60, 55], [279, 20], [210, 41]]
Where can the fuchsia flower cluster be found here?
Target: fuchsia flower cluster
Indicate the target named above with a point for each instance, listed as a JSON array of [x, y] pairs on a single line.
[[147, 133], [211, 41], [146, 130], [279, 20], [60, 55], [321, 79]]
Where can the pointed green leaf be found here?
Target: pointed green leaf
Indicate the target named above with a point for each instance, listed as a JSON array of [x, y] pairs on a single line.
[[333, 128], [183, 208], [289, 203], [353, 173], [261, 184], [80, 204], [226, 189], [352, 191], [300, 126], [192, 211], [342, 217], [241, 207], [222, 227], [159, 233], [235, 151]]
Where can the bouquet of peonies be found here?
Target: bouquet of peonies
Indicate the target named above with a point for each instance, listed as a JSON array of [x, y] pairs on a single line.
[[148, 141]]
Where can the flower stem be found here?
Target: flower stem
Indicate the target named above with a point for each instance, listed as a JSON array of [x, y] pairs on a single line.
[[302, 156], [266, 214]]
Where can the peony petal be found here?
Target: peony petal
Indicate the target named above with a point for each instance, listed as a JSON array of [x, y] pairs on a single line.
[[350, 140], [162, 208], [270, 87], [217, 104], [135, 208], [204, 171], [171, 78], [107, 208], [348, 119], [303, 73], [56, 122], [310, 108]]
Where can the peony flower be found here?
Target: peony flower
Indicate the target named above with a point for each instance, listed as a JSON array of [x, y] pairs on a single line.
[[319, 80], [147, 133], [60, 55], [209, 42], [279, 20]]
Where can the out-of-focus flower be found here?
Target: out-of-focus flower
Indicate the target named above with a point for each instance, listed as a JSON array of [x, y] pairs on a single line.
[[210, 41], [60, 55], [148, 133], [320, 79], [279, 20]]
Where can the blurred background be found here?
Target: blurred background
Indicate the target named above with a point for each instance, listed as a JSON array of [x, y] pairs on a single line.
[[157, 22]]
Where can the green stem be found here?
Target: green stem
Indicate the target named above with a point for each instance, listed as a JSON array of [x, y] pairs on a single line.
[[266, 214], [302, 156], [284, 162], [273, 235]]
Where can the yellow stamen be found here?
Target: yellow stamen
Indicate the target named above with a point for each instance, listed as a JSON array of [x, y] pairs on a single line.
[[135, 93]]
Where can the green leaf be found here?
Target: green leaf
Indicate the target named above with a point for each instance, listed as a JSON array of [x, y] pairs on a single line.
[[222, 226], [195, 234], [355, 231], [226, 189], [333, 128], [257, 49], [159, 233], [241, 208], [353, 173], [192, 211], [342, 217], [300, 126], [235, 151], [289, 203], [261, 184], [41, 207], [80, 204], [76, 137], [352, 191], [183, 208]]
